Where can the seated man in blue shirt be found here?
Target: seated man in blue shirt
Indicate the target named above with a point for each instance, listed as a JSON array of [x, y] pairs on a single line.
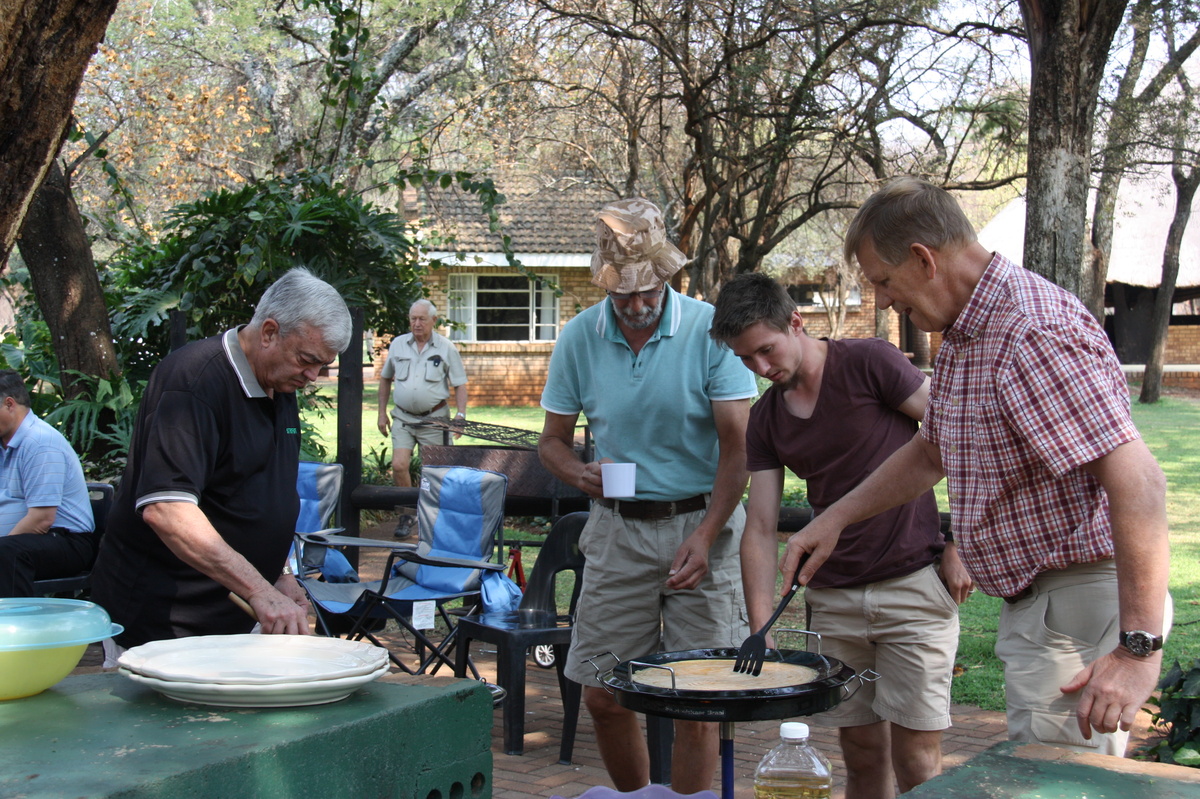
[[46, 527]]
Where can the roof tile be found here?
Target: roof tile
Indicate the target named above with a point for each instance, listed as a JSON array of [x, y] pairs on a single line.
[[540, 215]]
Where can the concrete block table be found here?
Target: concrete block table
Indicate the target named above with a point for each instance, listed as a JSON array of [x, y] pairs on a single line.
[[102, 735], [1014, 770]]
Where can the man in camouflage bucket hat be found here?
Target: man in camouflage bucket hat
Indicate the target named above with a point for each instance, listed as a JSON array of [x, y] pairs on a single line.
[[662, 571]]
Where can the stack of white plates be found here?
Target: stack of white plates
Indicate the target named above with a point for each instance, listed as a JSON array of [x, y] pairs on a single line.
[[255, 670]]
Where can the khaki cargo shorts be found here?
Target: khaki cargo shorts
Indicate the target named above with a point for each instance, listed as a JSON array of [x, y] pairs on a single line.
[[626, 611], [906, 629]]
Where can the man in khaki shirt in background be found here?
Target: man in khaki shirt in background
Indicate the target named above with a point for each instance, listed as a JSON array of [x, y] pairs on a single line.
[[420, 369]]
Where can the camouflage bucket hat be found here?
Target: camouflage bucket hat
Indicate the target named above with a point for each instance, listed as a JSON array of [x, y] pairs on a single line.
[[632, 251]]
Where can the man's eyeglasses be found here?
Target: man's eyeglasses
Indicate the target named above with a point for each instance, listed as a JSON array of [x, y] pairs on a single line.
[[649, 294]]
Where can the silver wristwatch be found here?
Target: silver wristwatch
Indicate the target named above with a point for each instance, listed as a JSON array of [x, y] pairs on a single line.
[[1140, 642]]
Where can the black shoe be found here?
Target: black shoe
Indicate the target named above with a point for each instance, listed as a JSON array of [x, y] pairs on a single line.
[[404, 527]]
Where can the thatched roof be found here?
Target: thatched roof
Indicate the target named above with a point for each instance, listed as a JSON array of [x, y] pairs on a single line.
[[1144, 210]]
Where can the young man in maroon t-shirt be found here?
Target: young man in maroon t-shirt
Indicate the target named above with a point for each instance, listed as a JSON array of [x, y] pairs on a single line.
[[887, 599]]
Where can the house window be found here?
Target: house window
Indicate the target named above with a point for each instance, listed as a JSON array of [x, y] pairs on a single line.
[[501, 308]]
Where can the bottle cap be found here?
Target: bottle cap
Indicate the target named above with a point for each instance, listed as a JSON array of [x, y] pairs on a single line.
[[793, 730]]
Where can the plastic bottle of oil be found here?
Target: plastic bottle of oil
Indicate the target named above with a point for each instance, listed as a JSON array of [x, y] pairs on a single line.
[[793, 770]]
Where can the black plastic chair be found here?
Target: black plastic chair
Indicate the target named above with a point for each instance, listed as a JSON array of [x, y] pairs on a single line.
[[78, 585], [535, 622]]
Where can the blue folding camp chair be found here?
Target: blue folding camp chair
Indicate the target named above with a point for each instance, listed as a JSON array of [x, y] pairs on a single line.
[[460, 511]]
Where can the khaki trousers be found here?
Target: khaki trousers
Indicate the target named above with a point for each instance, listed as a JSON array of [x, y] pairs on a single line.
[[1069, 620]]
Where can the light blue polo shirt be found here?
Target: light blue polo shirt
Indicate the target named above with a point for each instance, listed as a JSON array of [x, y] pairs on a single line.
[[38, 469], [653, 408]]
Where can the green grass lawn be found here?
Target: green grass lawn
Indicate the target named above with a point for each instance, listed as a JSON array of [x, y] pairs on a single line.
[[1170, 428]]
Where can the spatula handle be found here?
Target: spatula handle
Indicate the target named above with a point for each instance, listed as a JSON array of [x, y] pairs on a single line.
[[783, 603]]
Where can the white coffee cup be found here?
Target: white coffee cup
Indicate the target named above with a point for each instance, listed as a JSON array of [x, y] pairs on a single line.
[[618, 479]]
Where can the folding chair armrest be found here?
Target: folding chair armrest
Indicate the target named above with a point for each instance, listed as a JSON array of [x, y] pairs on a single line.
[[433, 560], [400, 550], [331, 539]]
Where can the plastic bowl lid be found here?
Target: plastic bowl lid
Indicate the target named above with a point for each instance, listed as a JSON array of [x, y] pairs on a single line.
[[43, 623]]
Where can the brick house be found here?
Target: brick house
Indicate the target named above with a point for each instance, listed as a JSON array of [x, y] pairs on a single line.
[[505, 323]]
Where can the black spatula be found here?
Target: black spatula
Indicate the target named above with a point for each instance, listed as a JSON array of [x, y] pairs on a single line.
[[754, 649]]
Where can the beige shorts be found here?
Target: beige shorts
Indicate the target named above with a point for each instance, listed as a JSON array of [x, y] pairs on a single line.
[[906, 629], [1069, 620], [626, 611], [406, 437]]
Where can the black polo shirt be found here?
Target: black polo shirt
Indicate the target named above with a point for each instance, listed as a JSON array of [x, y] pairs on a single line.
[[206, 433]]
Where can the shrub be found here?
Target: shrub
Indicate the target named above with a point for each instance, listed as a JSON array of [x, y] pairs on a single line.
[[1179, 711]]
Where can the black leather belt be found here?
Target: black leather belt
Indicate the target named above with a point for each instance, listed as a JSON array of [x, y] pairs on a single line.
[[1024, 593], [434, 409], [652, 509]]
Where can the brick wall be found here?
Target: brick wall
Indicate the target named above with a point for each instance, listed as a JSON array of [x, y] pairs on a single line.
[[859, 323], [1183, 344]]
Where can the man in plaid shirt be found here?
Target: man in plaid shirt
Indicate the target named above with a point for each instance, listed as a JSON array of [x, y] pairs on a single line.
[[1057, 504]]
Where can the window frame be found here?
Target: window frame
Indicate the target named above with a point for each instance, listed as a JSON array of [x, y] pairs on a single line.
[[463, 308]]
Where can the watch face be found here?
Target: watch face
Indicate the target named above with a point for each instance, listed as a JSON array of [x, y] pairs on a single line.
[[1139, 643]]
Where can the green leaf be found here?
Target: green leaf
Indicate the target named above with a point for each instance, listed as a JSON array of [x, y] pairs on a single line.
[[1187, 755]]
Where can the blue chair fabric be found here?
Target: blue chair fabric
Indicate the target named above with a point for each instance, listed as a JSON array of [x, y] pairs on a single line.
[[320, 488]]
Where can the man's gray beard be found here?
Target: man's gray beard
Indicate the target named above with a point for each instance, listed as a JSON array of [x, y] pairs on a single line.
[[641, 321]]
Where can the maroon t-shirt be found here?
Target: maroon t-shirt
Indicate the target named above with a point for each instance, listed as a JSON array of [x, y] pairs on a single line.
[[854, 427]]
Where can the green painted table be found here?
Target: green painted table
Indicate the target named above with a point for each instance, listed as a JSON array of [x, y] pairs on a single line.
[[1014, 770], [102, 735]]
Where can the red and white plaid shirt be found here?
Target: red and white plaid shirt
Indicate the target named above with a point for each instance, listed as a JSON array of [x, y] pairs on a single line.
[[1026, 389]]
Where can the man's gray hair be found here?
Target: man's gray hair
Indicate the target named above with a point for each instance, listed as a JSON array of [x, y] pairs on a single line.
[[301, 298], [427, 304], [904, 212]]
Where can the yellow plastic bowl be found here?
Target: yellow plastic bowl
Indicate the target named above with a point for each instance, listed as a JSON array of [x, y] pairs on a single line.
[[42, 640], [31, 671]]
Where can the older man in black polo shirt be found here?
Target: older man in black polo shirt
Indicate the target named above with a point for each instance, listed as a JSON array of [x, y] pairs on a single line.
[[208, 502]]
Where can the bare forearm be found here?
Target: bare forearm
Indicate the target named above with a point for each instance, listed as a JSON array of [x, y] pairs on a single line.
[[186, 531], [460, 399], [728, 489], [36, 521], [905, 475], [1136, 492], [556, 449], [760, 563], [731, 478], [385, 395]]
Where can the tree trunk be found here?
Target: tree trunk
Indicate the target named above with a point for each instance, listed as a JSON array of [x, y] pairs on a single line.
[[1185, 192], [1128, 109], [45, 46], [882, 323], [1069, 41], [59, 256], [919, 344]]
